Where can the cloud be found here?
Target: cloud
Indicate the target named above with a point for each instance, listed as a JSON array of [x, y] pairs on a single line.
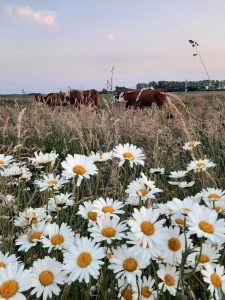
[[111, 37], [26, 13]]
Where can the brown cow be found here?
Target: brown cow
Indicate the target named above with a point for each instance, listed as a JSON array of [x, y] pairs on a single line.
[[52, 99], [86, 97], [145, 97]]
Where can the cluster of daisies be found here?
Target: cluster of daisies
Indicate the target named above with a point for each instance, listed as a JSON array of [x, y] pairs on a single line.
[[144, 246]]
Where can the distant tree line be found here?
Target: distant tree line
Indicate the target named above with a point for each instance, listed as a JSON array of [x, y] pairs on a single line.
[[176, 86]]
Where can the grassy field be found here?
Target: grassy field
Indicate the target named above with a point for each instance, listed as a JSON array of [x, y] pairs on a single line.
[[27, 127]]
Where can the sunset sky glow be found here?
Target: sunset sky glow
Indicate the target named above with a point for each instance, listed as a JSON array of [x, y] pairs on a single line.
[[49, 45]]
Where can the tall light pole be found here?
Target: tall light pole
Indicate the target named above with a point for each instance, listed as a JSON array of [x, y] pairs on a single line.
[[195, 46]]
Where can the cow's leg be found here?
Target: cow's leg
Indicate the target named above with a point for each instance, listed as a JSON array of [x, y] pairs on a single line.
[[128, 105]]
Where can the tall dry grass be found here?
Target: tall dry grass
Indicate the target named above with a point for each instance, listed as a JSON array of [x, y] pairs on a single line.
[[27, 126]]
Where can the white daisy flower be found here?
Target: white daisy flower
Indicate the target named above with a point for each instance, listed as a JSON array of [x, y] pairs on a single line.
[[51, 182], [30, 216], [60, 238], [17, 171], [218, 205], [107, 228], [170, 277], [143, 188], [126, 265], [14, 280], [160, 171], [100, 156], [173, 245], [184, 206], [46, 275], [214, 275], [178, 219], [212, 194], [125, 290], [203, 222], [146, 228], [178, 174], [79, 166], [129, 152], [202, 256], [108, 205], [5, 160], [144, 290], [87, 211], [32, 237], [200, 165], [6, 259], [44, 159], [60, 201], [191, 145], [83, 260]]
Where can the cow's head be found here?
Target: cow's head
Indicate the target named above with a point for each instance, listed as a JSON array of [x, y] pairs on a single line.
[[119, 97]]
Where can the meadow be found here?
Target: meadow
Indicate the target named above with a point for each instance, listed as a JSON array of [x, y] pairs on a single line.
[[161, 237]]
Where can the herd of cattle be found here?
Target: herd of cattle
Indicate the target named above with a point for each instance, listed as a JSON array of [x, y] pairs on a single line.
[[132, 97]]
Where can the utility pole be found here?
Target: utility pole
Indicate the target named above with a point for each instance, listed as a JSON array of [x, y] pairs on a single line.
[[111, 83]]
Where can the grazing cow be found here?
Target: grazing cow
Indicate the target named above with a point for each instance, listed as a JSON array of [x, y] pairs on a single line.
[[52, 99], [118, 96], [86, 97], [144, 97]]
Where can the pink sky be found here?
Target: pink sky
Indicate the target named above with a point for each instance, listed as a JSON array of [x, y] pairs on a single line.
[[47, 45]]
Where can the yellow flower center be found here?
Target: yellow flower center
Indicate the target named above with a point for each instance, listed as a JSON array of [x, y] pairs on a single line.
[[109, 255], [216, 280], [179, 221], [213, 196], [174, 244], [52, 182], [8, 289], [145, 292], [84, 259], [35, 236], [147, 228], [2, 264], [108, 209], [128, 155], [169, 280], [46, 278], [79, 169], [127, 295], [190, 145], [92, 215], [1, 162], [218, 209], [57, 239], [142, 192], [108, 232], [186, 210], [200, 164], [206, 227], [130, 264], [160, 258], [202, 259]]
